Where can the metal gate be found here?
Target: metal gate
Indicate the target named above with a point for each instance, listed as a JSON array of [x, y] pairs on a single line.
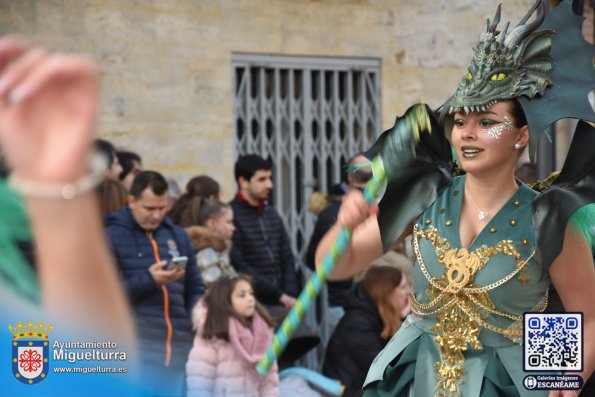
[[308, 115]]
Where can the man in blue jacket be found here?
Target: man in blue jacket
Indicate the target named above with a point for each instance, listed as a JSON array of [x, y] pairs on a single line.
[[144, 241]]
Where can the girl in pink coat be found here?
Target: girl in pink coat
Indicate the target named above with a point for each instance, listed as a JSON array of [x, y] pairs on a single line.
[[233, 333]]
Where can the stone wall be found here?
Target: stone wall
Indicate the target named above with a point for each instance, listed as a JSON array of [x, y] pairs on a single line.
[[166, 63]]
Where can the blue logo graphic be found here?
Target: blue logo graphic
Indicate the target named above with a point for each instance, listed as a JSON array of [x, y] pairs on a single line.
[[30, 352]]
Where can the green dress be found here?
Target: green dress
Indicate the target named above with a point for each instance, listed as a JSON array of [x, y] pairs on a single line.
[[469, 301]]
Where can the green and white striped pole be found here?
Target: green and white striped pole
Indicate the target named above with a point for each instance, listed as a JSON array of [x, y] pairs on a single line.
[[312, 288]]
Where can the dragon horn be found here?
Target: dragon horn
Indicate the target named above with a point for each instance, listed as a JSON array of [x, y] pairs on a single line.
[[491, 28], [523, 29], [503, 34]]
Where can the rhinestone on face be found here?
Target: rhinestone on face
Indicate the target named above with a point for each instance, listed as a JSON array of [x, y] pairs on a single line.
[[496, 131]]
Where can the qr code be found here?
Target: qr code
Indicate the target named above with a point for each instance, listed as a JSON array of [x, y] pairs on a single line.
[[553, 342]]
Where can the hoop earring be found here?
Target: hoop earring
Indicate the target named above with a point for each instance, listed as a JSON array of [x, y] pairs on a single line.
[[517, 146]]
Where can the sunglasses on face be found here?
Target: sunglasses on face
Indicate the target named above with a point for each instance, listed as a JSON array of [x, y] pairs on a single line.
[[360, 172], [362, 175]]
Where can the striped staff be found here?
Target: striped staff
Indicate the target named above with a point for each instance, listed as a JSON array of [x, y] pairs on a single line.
[[394, 148]]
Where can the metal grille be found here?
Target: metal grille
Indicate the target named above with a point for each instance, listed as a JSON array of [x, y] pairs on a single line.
[[308, 115]]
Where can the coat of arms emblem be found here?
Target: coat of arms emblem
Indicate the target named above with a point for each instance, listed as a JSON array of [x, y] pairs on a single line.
[[30, 351]]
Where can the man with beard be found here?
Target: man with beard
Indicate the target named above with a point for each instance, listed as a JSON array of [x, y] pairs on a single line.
[[260, 244]]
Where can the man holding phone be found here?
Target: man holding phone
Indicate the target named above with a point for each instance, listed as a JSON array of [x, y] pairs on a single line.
[[157, 261], [178, 262]]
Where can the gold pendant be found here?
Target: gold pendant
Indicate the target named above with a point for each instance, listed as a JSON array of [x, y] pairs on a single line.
[[460, 265]]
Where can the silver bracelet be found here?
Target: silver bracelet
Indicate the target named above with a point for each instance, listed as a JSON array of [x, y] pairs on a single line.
[[67, 191]]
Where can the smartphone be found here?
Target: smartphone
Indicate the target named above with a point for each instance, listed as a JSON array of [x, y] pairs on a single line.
[[177, 262]]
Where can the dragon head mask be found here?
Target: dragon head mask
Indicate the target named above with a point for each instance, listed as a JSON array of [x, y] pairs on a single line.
[[544, 63]]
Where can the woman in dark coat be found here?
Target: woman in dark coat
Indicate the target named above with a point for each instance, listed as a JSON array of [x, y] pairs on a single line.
[[373, 312]]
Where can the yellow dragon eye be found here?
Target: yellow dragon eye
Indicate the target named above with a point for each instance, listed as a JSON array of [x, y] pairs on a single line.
[[469, 76], [498, 77]]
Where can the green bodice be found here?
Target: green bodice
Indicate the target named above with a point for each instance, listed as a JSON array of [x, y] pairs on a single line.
[[466, 330]]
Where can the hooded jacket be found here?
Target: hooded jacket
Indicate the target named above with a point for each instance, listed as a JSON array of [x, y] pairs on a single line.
[[228, 368], [212, 253], [156, 308]]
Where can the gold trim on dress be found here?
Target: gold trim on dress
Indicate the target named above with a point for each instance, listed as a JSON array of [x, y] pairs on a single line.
[[460, 307]]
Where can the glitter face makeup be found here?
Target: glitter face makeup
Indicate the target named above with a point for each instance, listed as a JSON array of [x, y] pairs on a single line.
[[496, 131]]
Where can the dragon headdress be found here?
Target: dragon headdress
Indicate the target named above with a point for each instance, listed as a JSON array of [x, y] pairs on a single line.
[[544, 63]]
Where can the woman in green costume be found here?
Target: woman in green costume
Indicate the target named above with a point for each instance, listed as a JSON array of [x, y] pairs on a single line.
[[487, 247]]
